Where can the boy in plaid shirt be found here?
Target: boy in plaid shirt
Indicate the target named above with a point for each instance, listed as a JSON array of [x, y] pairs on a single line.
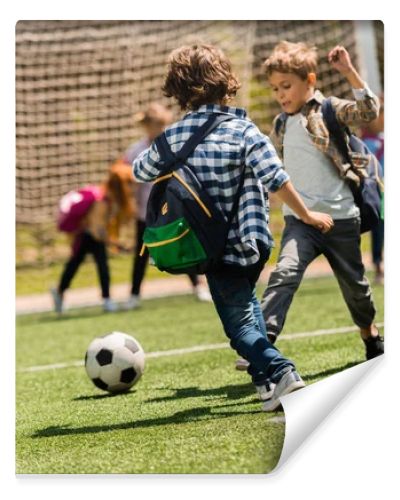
[[201, 80], [321, 177]]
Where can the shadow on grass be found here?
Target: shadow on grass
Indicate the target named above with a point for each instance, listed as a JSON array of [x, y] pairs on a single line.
[[199, 414], [313, 377], [232, 392], [228, 391], [104, 396]]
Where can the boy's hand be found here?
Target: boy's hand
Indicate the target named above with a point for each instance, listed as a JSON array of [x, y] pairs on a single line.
[[288, 195], [323, 222], [340, 60]]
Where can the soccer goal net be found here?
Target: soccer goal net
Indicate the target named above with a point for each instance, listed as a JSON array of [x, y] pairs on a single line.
[[79, 83]]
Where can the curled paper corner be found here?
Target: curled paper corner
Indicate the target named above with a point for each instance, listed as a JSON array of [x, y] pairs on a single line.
[[304, 410]]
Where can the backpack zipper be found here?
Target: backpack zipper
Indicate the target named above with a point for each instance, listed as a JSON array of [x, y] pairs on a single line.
[[162, 243]]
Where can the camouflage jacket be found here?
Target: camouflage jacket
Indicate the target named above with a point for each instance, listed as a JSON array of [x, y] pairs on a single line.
[[364, 109]]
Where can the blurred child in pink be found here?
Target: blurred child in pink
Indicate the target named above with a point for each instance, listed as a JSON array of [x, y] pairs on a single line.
[[95, 230]]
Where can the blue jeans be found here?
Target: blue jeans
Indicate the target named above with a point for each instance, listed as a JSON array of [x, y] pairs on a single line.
[[240, 313]]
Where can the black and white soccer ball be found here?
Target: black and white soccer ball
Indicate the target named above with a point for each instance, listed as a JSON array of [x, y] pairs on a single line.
[[115, 362]]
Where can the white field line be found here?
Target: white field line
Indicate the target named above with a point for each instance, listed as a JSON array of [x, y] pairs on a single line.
[[198, 348]]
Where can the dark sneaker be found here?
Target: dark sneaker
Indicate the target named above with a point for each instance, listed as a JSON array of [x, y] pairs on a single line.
[[290, 381], [374, 347]]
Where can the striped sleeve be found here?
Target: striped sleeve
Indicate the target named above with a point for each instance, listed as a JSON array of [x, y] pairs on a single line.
[[146, 166], [262, 158]]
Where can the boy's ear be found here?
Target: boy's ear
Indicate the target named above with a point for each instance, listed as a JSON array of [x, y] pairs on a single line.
[[312, 79]]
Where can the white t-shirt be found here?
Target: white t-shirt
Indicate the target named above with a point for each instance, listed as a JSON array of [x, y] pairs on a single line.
[[313, 174]]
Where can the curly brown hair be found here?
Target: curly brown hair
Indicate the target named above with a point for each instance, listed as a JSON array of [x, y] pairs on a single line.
[[287, 57], [199, 74]]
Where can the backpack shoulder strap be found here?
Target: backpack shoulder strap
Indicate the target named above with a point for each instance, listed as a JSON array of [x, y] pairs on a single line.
[[280, 122], [164, 149], [201, 133], [196, 139], [336, 132]]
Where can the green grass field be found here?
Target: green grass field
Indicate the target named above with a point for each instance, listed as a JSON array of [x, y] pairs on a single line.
[[190, 413]]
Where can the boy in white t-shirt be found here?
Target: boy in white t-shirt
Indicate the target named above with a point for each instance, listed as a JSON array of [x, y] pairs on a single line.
[[320, 176]]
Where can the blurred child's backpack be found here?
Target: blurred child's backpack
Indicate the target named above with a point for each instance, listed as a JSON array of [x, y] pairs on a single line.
[[75, 205], [185, 231], [369, 194]]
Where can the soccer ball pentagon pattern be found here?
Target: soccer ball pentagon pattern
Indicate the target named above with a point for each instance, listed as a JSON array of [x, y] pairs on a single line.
[[115, 362]]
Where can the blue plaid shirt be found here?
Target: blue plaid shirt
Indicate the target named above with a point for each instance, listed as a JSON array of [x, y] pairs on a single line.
[[217, 162]]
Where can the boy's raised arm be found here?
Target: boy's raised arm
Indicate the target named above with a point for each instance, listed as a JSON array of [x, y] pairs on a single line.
[[366, 105]]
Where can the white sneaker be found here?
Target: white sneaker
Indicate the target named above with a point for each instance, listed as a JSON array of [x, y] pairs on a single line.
[[58, 300], [290, 381], [202, 294], [132, 303], [265, 391], [109, 306], [241, 364]]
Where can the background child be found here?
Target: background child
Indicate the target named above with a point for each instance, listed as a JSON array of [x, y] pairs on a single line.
[[153, 120], [112, 207], [200, 78], [319, 175]]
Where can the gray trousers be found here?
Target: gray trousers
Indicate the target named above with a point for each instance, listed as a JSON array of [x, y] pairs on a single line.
[[300, 245]]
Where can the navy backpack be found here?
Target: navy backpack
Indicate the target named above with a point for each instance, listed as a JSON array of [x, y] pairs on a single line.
[[368, 195], [185, 231]]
